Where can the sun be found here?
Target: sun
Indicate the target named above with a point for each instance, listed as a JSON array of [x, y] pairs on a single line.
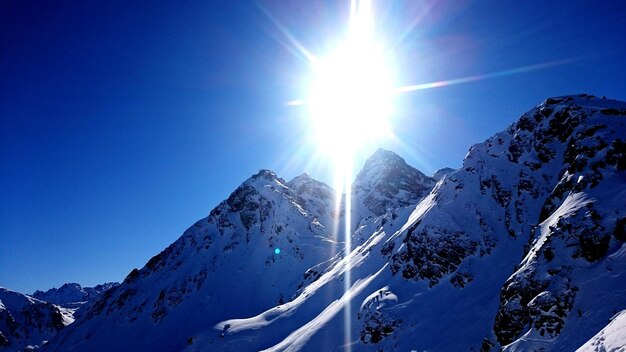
[[350, 98], [350, 105], [350, 101]]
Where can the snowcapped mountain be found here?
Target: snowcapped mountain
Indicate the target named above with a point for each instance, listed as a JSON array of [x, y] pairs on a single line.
[[386, 182], [26, 322], [570, 281], [445, 171], [73, 295], [315, 196], [520, 249], [252, 252], [263, 246], [546, 199]]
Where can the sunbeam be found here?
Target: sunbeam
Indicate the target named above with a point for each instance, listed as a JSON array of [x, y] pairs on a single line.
[[296, 47], [349, 104], [485, 76]]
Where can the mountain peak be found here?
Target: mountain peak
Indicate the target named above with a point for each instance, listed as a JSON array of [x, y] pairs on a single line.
[[304, 181], [380, 164], [26, 321], [549, 190], [247, 194], [384, 177], [264, 174], [72, 294], [383, 156], [605, 105], [263, 178], [315, 195], [302, 178], [444, 171], [568, 98]]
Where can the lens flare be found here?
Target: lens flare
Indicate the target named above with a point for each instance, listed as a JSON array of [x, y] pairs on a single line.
[[475, 78]]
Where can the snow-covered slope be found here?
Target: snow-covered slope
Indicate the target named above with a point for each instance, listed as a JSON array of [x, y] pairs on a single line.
[[252, 252], [571, 280], [534, 216], [439, 277], [73, 295], [26, 322], [610, 339], [521, 248]]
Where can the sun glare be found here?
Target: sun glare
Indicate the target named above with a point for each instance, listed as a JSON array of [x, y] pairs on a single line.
[[350, 104], [351, 90]]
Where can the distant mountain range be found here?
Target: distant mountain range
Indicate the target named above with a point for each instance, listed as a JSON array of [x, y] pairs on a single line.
[[28, 321], [521, 249], [73, 295]]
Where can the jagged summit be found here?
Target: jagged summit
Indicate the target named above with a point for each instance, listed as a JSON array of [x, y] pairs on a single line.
[[580, 99], [382, 155], [315, 196], [444, 171], [385, 182], [388, 182], [303, 177], [73, 295], [264, 175], [522, 248], [381, 165], [31, 320], [305, 180]]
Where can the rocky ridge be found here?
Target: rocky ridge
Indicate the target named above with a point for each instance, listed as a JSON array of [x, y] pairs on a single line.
[[509, 252], [73, 295], [26, 323]]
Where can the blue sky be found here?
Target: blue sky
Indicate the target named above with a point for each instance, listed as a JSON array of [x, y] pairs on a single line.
[[123, 123]]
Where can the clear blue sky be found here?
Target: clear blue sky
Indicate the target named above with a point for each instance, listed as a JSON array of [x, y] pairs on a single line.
[[122, 123]]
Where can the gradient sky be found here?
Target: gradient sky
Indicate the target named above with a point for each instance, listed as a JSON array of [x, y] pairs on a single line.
[[122, 123]]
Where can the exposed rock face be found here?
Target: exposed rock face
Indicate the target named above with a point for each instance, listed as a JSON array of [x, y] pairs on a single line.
[[26, 321], [386, 182], [441, 173], [316, 197], [522, 248], [378, 323], [554, 178], [264, 237], [581, 217], [431, 253]]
